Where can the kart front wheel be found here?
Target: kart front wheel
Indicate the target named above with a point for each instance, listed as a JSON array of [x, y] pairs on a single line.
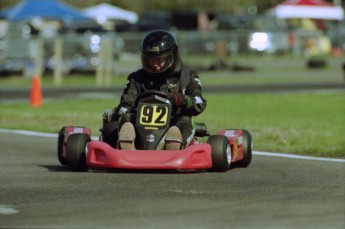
[[221, 153], [76, 155]]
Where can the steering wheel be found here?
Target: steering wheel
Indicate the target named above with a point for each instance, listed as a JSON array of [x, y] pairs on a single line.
[[150, 93]]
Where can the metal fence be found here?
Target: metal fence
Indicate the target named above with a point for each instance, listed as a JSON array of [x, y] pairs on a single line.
[[21, 51]]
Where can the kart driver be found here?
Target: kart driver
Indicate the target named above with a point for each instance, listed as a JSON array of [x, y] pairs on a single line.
[[162, 70]]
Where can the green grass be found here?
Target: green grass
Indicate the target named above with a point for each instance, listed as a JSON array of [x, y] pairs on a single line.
[[272, 70], [268, 70], [309, 124]]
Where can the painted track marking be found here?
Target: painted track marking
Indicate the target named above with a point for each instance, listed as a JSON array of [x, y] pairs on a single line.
[[7, 210]]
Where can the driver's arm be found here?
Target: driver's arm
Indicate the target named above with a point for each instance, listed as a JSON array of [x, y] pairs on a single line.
[[128, 97], [196, 103]]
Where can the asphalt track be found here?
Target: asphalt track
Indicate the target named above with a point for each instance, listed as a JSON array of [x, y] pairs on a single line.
[[273, 192]]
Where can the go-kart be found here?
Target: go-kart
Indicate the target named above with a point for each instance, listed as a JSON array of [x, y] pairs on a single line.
[[228, 147]]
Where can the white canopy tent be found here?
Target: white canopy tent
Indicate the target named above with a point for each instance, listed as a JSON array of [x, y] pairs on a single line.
[[312, 9], [103, 12]]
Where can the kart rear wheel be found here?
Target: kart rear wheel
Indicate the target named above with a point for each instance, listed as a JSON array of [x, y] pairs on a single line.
[[61, 138], [221, 153], [247, 149], [76, 155]]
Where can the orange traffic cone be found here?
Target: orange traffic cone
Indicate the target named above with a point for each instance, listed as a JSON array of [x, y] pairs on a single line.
[[36, 92]]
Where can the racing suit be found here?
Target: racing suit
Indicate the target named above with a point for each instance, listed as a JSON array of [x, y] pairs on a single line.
[[178, 80]]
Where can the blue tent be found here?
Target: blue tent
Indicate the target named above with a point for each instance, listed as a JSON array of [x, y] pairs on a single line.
[[46, 9], [4, 12]]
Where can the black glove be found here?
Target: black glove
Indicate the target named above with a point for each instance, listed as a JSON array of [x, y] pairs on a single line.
[[178, 99]]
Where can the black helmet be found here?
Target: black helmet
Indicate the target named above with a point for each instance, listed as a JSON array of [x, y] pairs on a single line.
[[159, 51]]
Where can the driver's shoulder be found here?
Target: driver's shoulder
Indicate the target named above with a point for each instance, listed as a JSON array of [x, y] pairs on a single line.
[[136, 76]]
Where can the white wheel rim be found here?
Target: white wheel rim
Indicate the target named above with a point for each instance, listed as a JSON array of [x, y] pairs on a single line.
[[228, 153], [86, 149]]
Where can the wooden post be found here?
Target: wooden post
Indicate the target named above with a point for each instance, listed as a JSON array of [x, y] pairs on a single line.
[[58, 61], [100, 66], [38, 56], [108, 61], [221, 49]]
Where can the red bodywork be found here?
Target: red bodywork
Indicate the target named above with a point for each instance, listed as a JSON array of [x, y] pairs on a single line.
[[196, 156], [100, 154]]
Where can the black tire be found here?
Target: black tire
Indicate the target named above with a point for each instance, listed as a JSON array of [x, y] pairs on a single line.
[[76, 156], [61, 138], [247, 150], [221, 153]]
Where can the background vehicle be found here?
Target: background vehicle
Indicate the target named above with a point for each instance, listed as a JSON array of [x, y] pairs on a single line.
[[268, 34]]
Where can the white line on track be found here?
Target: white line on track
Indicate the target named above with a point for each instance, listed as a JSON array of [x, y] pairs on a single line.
[[298, 156], [27, 132], [292, 156], [7, 209]]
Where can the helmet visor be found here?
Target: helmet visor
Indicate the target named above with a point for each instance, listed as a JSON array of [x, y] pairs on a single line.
[[157, 64]]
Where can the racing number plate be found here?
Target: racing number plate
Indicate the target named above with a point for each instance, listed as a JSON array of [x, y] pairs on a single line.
[[153, 115]]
